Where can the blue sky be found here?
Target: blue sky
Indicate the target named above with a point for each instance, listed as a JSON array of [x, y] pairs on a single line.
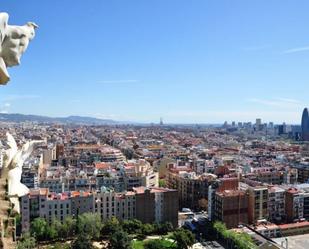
[[198, 61]]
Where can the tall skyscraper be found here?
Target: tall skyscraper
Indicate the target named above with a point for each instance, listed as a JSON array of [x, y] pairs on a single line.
[[305, 125], [258, 124], [161, 121]]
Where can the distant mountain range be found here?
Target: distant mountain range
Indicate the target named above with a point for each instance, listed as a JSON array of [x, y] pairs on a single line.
[[17, 118]]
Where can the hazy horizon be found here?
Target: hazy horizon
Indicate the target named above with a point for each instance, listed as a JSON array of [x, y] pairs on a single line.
[[155, 122]]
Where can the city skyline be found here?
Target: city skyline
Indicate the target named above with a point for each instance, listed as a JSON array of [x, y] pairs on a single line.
[[201, 62], [87, 120]]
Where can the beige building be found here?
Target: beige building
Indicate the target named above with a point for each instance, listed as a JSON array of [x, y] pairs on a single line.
[[44, 204], [258, 204], [191, 187], [146, 204], [140, 173], [108, 203]]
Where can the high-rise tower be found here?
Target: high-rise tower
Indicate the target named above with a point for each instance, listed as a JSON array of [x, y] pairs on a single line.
[[305, 125]]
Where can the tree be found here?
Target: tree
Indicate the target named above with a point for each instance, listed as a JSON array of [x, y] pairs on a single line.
[[38, 228], [219, 226], [54, 230], [240, 240], [111, 226], [68, 227], [148, 229], [26, 242], [18, 224], [119, 240], [132, 226], [82, 242], [90, 224], [162, 183], [163, 228], [51, 233], [183, 238]]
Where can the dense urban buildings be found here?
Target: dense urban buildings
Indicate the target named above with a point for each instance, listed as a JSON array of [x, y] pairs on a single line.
[[241, 174]]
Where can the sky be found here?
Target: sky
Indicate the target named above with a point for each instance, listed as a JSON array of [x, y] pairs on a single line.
[[193, 61]]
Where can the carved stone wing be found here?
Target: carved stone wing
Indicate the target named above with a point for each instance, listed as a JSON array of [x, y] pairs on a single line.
[[12, 151], [4, 17], [26, 151]]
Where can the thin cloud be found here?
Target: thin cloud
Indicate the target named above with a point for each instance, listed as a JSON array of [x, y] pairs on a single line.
[[4, 108], [296, 50], [219, 116], [117, 81], [14, 97], [277, 102], [289, 100]]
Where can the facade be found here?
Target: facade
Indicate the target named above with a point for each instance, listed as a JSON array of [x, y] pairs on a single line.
[[30, 179], [305, 125], [258, 204], [139, 173], [157, 205], [231, 207], [111, 204], [145, 205], [81, 202], [191, 188], [294, 205], [42, 203], [148, 205], [303, 172], [276, 204], [218, 186]]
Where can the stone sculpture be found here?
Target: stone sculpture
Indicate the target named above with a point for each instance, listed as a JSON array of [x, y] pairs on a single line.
[[14, 41], [13, 161]]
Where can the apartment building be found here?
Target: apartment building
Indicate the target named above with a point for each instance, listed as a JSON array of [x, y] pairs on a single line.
[[294, 205], [276, 204], [148, 205], [231, 207], [219, 185], [258, 202], [190, 186], [108, 203], [156, 205], [303, 172], [42, 203]]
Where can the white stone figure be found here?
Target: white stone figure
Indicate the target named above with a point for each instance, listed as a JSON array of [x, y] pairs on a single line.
[[14, 41], [12, 168]]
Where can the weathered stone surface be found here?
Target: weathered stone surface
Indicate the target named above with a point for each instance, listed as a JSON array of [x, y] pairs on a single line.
[[14, 41]]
